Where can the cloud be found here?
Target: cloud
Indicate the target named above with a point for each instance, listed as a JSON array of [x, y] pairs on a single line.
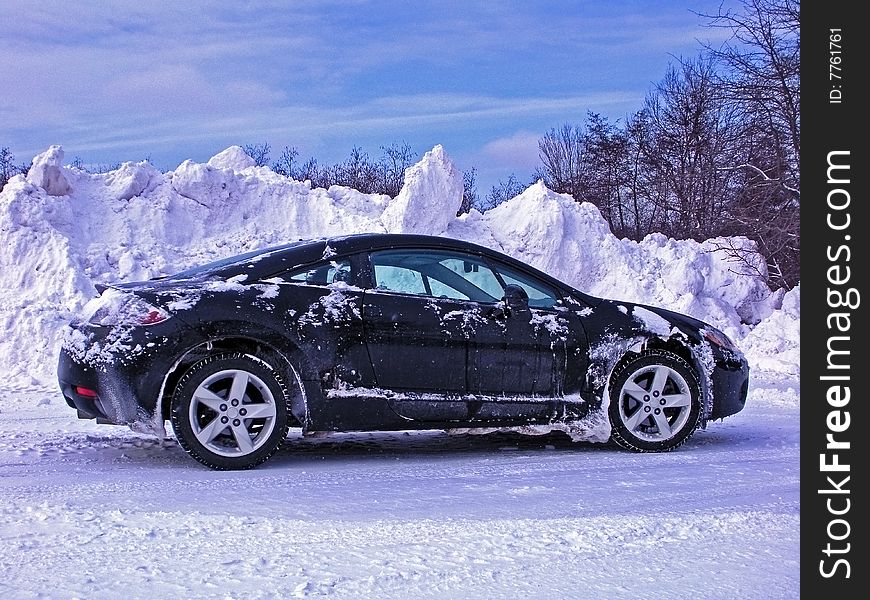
[[518, 151], [322, 74], [185, 89], [174, 106]]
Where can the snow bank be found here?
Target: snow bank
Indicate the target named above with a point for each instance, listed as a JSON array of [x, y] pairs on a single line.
[[774, 344], [430, 198], [233, 158], [47, 172], [62, 230]]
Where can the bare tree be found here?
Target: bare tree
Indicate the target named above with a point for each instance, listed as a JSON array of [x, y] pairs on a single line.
[[642, 195], [761, 74], [765, 210], [563, 154], [259, 152], [357, 172], [469, 191], [7, 166], [502, 192], [714, 152], [691, 133], [310, 170], [760, 78], [396, 158], [286, 163], [606, 171]]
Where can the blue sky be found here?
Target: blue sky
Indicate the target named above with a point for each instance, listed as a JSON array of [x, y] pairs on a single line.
[[118, 81]]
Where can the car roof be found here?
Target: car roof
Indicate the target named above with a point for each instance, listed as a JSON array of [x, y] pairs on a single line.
[[349, 244], [267, 261], [307, 250]]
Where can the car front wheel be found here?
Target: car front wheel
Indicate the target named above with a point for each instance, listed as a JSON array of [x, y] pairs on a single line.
[[229, 411], [655, 402]]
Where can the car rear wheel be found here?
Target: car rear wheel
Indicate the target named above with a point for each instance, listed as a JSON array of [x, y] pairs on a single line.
[[229, 411], [655, 402]]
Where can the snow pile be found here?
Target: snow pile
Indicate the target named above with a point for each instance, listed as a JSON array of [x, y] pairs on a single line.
[[774, 344], [42, 280], [47, 172], [131, 179], [430, 198], [233, 158], [62, 230]]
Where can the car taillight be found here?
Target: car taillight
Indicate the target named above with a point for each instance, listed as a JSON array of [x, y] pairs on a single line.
[[154, 316], [115, 307], [83, 391]]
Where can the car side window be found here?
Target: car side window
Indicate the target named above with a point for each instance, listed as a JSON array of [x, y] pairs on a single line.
[[477, 273], [399, 279], [323, 273], [540, 294], [436, 274]]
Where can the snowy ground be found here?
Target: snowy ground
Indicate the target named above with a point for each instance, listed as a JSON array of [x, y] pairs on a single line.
[[97, 511]]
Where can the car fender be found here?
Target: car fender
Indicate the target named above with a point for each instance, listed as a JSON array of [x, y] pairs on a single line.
[[280, 351]]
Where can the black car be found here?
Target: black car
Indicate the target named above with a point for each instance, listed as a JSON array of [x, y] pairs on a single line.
[[388, 332]]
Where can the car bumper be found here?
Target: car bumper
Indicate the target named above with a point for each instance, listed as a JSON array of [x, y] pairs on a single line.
[[113, 383], [730, 386]]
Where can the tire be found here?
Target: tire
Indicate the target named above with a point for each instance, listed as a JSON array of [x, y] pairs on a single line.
[[230, 411], [655, 402]]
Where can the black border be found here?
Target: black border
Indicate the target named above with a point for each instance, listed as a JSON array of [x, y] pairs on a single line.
[[830, 127]]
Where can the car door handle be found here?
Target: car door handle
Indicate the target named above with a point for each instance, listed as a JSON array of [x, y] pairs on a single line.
[[500, 312]]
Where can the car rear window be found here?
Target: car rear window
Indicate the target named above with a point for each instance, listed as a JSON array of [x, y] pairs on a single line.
[[233, 261]]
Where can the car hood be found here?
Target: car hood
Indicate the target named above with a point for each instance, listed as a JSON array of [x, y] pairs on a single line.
[[681, 320], [660, 320]]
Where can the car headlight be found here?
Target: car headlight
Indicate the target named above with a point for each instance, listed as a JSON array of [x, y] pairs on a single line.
[[115, 307], [717, 338]]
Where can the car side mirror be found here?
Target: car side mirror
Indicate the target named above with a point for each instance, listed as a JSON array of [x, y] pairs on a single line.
[[515, 298]]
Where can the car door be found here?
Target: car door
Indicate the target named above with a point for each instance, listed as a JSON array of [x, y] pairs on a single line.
[[431, 311], [517, 362], [418, 352]]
